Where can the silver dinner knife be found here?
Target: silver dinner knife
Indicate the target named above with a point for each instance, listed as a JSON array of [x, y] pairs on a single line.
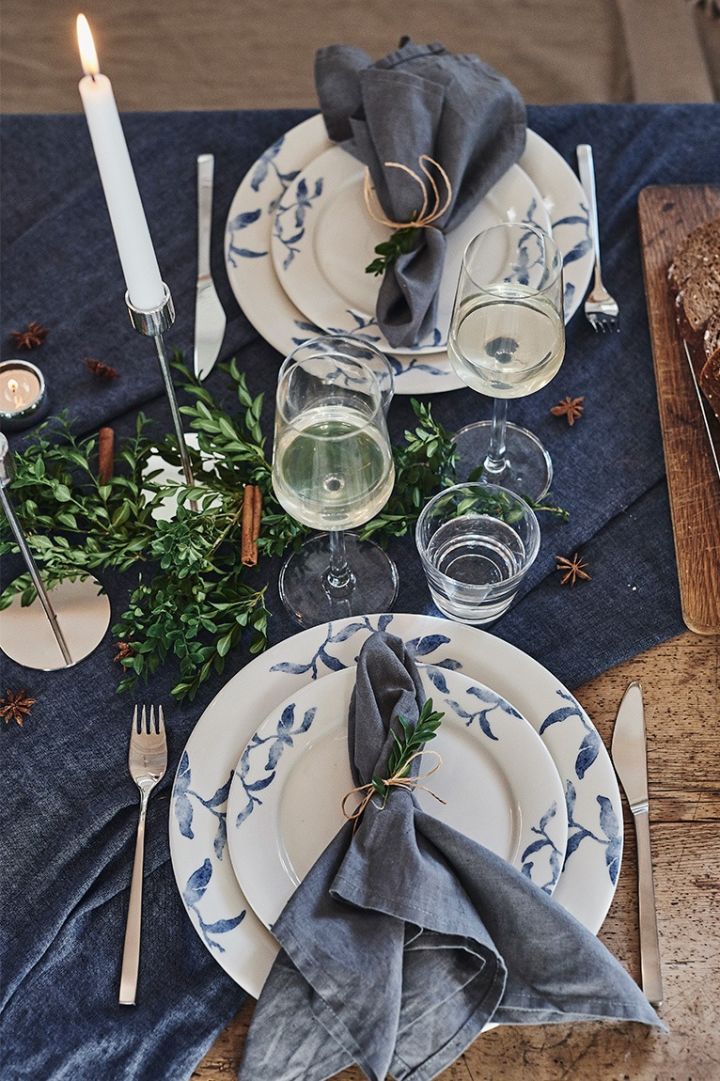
[[629, 755], [209, 314], [708, 423]]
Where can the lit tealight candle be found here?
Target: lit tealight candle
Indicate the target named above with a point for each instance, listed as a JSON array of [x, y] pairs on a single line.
[[132, 236], [22, 395]]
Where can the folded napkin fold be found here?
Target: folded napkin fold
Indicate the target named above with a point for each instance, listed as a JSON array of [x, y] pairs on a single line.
[[406, 937], [420, 100]]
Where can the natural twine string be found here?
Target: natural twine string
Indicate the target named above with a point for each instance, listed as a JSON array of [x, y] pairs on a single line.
[[426, 215], [398, 780]]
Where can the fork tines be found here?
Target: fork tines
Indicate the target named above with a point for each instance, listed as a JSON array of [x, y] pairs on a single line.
[[145, 722], [603, 323]]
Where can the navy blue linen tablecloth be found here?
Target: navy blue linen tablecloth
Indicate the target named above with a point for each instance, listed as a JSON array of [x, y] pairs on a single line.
[[69, 807]]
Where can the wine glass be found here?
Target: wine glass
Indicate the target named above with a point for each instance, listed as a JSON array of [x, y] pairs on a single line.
[[507, 340], [345, 345], [332, 470]]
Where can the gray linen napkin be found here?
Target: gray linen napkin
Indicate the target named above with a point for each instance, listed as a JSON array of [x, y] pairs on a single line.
[[407, 937], [421, 99]]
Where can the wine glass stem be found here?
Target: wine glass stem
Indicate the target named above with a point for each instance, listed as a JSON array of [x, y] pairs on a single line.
[[496, 460], [339, 579]]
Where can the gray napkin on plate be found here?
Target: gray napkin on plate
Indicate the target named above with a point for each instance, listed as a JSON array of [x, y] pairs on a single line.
[[406, 937], [421, 99]]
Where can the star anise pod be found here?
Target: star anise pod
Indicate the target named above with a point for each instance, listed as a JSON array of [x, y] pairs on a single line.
[[100, 369], [34, 334], [573, 569], [570, 408], [124, 649], [15, 706]]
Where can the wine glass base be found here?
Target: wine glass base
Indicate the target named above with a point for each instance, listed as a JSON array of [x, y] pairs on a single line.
[[528, 466], [310, 603]]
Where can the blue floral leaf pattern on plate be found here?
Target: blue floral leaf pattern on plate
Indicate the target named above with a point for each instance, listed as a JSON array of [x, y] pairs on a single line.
[[571, 219], [589, 750], [184, 815], [608, 819], [346, 632], [241, 221], [291, 668], [262, 782], [536, 846], [197, 883], [184, 775], [577, 252], [221, 796], [573, 842], [333, 663], [557, 716], [221, 927], [220, 839], [420, 647], [247, 253], [438, 680]]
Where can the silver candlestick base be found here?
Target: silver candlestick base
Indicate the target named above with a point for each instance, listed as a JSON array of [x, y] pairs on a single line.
[[63, 624], [153, 324]]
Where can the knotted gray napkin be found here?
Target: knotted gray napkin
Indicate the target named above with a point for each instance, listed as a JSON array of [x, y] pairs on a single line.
[[421, 99], [406, 937]]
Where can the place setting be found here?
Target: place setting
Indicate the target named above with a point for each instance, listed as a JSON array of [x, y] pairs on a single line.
[[350, 597]]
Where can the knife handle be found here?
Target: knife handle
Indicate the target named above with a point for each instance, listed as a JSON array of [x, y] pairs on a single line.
[[205, 167], [586, 168], [649, 944]]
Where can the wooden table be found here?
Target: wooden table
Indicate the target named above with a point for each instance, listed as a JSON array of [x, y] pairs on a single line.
[[681, 681]]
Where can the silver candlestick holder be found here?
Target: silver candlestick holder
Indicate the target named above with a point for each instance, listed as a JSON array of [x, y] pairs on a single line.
[[153, 323], [63, 624]]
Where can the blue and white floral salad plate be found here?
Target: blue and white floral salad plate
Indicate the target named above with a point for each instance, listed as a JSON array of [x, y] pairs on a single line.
[[199, 820], [252, 276], [495, 777], [323, 238]]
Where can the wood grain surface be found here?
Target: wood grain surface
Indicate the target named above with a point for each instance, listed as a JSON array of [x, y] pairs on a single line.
[[681, 682], [667, 215]]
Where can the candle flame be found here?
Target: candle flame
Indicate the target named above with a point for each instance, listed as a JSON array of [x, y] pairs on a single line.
[[13, 386], [88, 54]]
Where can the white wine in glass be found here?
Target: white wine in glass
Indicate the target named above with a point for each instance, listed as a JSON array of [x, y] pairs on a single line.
[[332, 470], [507, 340]]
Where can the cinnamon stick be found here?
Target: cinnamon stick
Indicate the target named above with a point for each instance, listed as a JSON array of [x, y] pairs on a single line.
[[106, 454], [257, 517], [248, 549]]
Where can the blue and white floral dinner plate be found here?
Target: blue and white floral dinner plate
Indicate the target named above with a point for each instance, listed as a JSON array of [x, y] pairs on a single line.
[[495, 778], [199, 812], [252, 276], [324, 237]]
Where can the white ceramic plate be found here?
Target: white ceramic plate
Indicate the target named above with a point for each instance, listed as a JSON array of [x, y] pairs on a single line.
[[497, 780], [257, 289], [198, 818], [323, 238]]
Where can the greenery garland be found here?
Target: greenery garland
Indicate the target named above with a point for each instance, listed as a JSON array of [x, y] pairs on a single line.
[[193, 599]]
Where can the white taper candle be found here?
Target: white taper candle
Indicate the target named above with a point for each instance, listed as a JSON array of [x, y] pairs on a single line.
[[132, 236]]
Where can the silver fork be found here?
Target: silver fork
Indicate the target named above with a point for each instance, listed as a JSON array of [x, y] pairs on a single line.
[[147, 762], [601, 310]]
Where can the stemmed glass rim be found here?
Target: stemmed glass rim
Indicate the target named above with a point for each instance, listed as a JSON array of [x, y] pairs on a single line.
[[506, 226], [531, 552], [370, 420]]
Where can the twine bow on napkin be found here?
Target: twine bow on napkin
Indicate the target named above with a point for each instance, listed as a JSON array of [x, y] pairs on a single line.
[[420, 103]]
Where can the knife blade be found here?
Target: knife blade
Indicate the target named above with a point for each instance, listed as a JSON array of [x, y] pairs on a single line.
[[209, 314], [708, 421], [629, 755]]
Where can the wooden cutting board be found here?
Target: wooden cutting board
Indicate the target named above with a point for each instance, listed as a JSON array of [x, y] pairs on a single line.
[[667, 215]]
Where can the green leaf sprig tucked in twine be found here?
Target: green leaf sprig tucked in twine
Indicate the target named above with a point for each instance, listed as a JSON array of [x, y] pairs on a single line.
[[192, 600], [407, 746], [398, 243]]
